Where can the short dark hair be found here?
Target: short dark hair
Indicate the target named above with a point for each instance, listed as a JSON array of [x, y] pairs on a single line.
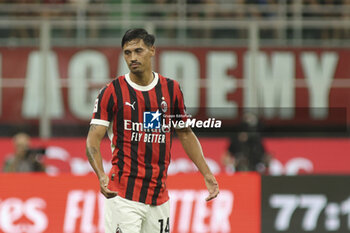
[[138, 33]]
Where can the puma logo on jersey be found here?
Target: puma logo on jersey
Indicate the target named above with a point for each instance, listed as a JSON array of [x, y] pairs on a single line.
[[131, 105], [118, 229]]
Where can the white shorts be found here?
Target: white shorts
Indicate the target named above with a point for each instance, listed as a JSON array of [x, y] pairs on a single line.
[[135, 217]]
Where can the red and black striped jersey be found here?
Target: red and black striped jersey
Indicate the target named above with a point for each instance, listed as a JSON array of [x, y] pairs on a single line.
[[139, 127]]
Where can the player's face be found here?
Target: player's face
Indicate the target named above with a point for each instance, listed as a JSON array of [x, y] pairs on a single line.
[[138, 56]]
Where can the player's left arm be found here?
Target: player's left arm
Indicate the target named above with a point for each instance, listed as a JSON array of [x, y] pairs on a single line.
[[194, 151]]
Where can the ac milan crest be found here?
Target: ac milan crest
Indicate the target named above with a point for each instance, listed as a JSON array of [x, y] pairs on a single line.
[[164, 105]]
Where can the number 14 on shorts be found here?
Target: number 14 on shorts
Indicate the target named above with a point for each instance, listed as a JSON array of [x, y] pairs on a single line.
[[162, 228]]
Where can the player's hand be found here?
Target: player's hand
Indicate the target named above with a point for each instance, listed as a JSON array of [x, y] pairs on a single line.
[[104, 187], [212, 186]]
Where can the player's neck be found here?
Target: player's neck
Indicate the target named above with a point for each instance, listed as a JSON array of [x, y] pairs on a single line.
[[142, 79]]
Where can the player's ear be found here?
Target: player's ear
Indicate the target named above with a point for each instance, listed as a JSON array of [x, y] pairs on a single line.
[[152, 50]]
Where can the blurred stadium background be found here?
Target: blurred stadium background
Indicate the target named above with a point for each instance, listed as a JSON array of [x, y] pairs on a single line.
[[285, 61]]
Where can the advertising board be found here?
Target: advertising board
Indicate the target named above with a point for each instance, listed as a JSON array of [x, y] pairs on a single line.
[[68, 203], [305, 204]]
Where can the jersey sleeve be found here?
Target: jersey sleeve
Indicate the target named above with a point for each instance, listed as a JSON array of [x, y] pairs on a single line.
[[104, 106]]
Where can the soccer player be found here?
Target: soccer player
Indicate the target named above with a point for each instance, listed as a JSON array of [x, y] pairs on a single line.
[[131, 110]]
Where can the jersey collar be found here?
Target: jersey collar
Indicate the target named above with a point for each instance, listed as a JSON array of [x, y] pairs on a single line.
[[142, 88]]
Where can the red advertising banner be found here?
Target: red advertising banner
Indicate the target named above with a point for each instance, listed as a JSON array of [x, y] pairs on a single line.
[[68, 203], [291, 156], [293, 86], [309, 155]]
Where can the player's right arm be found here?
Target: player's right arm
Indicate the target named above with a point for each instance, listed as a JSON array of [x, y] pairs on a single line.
[[93, 142]]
